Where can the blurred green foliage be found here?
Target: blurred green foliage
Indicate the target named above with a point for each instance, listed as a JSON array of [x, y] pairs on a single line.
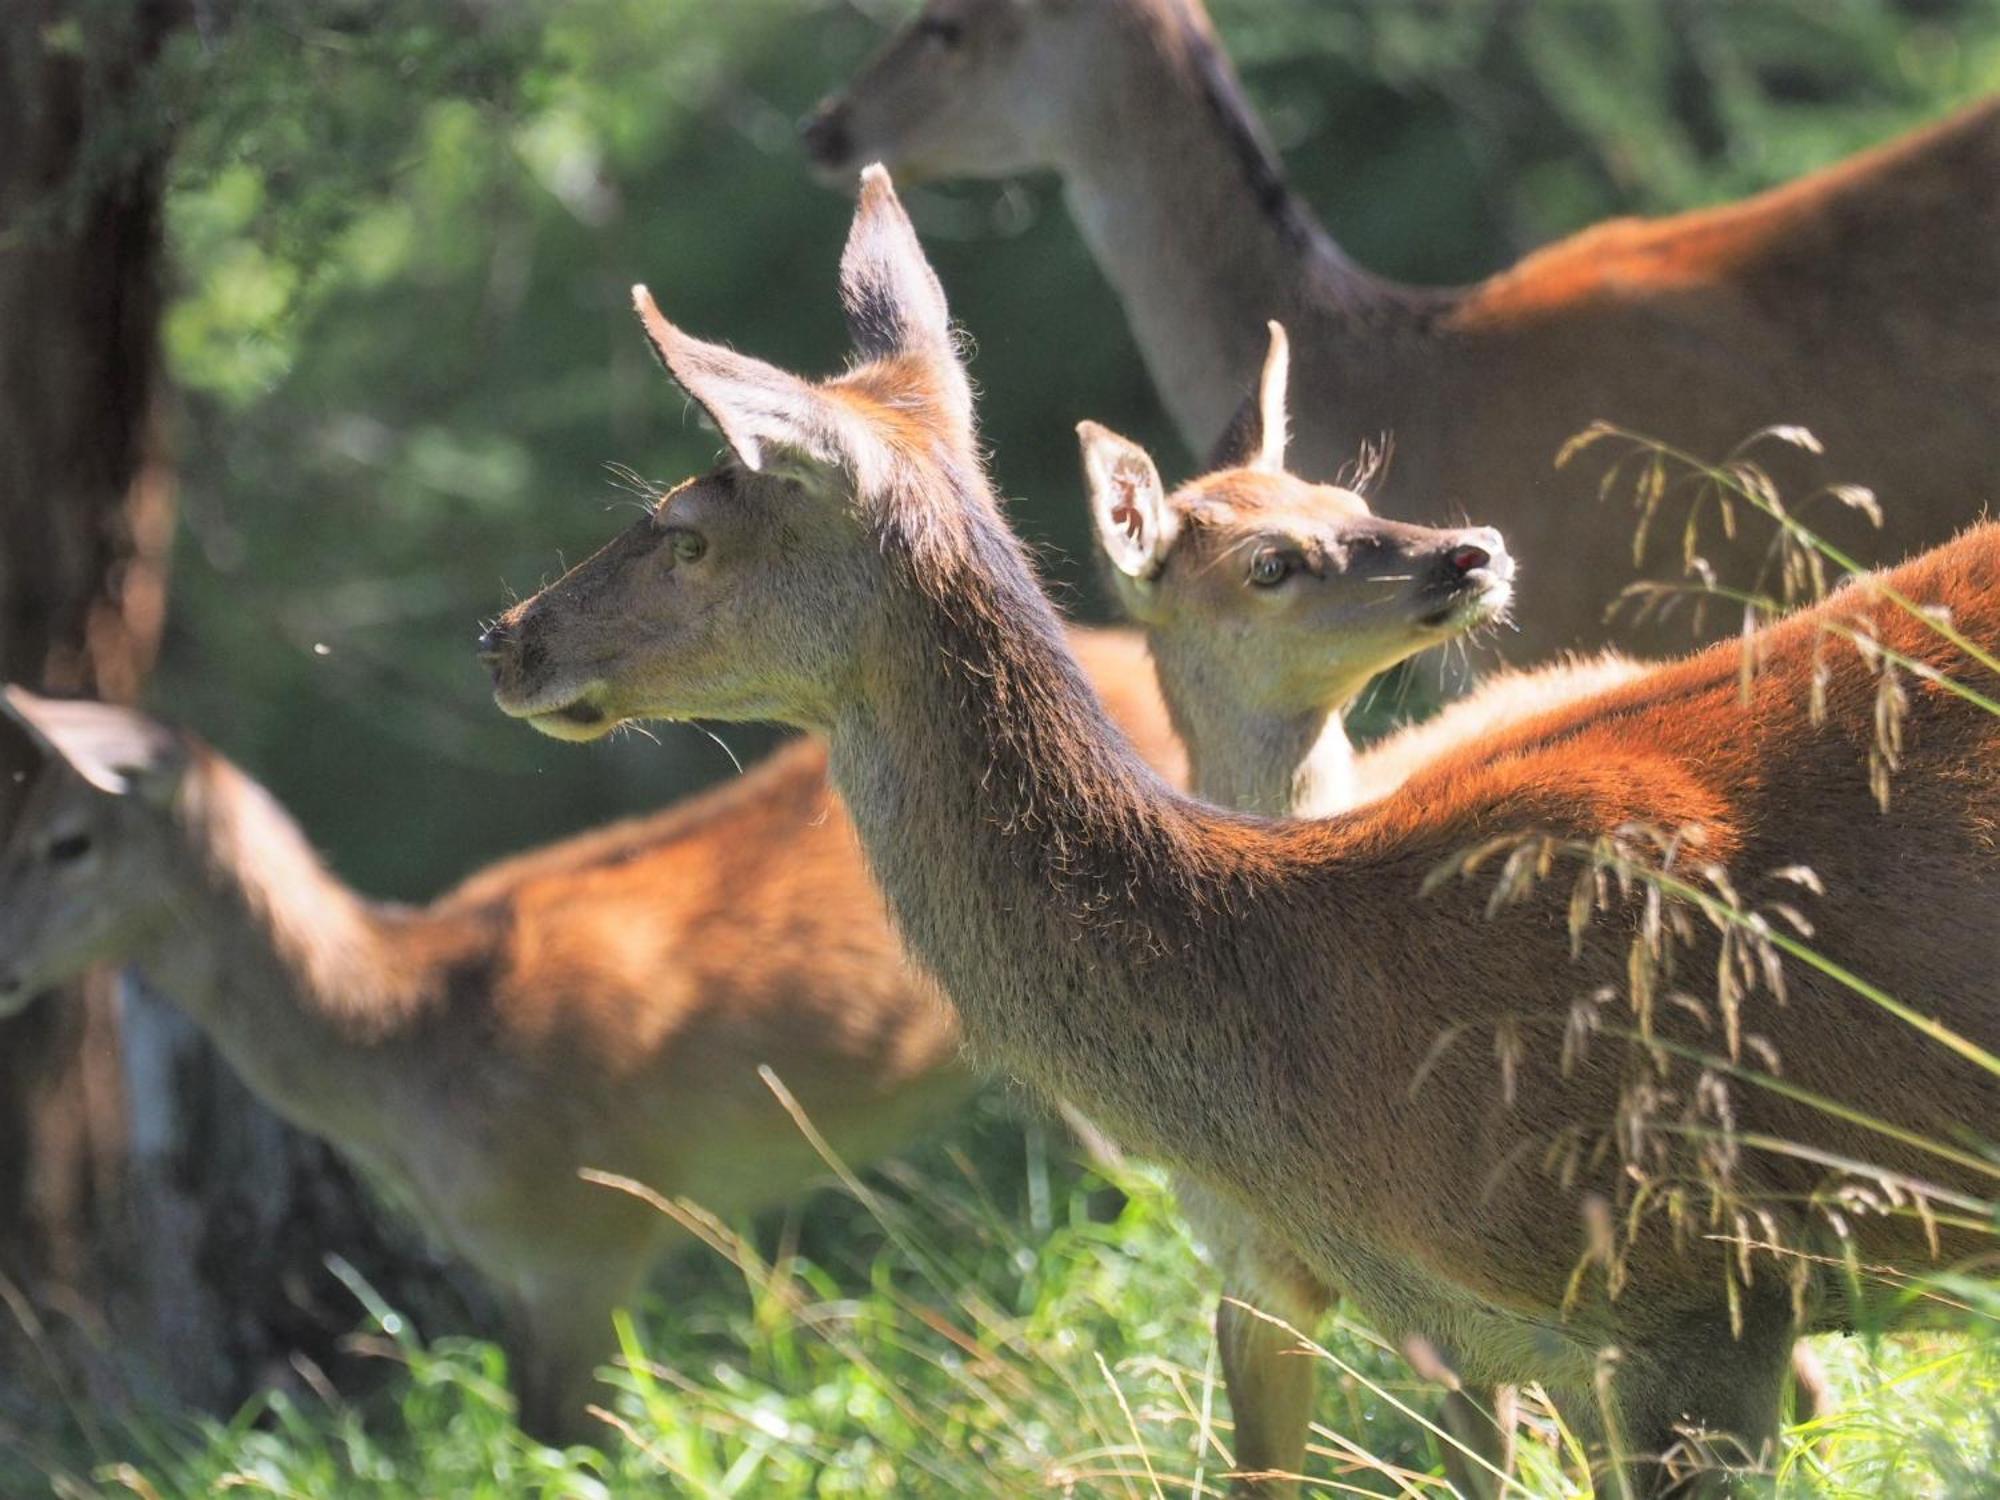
[[404, 230]]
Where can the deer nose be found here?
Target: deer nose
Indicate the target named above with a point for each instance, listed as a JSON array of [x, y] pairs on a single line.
[[493, 642], [825, 134], [1476, 549]]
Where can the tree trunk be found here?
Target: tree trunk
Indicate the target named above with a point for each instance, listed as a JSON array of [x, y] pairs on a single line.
[[157, 1226]]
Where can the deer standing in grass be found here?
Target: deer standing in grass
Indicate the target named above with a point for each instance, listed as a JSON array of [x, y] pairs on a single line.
[[1862, 301], [604, 1002], [1378, 1082], [1269, 603]]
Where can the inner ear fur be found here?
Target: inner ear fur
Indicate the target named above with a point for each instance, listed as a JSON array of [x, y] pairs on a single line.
[[1135, 525], [895, 310], [114, 749], [894, 301], [761, 411]]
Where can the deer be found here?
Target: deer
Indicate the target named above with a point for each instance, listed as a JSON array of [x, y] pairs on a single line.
[[603, 1002], [1279, 1010], [1862, 301], [1252, 588]]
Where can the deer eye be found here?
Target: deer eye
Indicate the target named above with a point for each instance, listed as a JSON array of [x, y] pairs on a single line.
[[946, 31], [69, 847], [1271, 567], [689, 546]]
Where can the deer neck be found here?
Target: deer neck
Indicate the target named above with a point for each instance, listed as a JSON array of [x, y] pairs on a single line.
[[1036, 866], [1273, 764], [1186, 208], [286, 969]]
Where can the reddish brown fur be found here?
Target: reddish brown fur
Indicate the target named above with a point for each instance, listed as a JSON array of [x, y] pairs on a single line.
[[1257, 676], [1678, 747]]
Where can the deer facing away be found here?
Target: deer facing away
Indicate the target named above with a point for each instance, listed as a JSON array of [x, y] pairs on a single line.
[[602, 1002], [1267, 1006], [1862, 301]]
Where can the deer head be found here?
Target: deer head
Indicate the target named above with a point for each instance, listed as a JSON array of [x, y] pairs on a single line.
[[1279, 596], [82, 872], [970, 88], [748, 592]]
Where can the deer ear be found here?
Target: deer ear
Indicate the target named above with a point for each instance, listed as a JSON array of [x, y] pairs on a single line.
[[1255, 437], [895, 304], [114, 749], [760, 410], [1136, 526], [894, 301]]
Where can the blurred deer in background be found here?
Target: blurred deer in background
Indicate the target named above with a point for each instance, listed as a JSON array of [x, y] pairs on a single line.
[[604, 1002], [1862, 301], [1268, 1006]]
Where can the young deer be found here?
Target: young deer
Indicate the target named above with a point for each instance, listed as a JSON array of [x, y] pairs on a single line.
[[1252, 588], [602, 1002], [1862, 301], [1268, 1006], [1268, 603]]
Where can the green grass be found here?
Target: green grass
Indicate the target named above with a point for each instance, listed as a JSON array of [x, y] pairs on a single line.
[[1021, 1327]]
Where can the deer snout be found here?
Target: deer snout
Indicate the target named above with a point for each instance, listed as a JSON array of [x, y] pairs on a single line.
[[529, 684], [503, 649], [1469, 579], [493, 641], [1475, 550], [826, 137]]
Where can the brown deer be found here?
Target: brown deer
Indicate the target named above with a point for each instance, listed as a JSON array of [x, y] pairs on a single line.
[[1268, 604], [1862, 301], [1374, 1079], [603, 1002], [1254, 590]]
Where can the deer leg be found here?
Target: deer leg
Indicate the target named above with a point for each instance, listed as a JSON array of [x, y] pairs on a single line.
[[1697, 1406], [1270, 1379], [559, 1332], [1488, 1433], [1812, 1392]]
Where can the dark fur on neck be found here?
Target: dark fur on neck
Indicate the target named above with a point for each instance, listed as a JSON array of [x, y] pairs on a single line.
[[1222, 92], [1005, 814], [1184, 36], [1085, 810]]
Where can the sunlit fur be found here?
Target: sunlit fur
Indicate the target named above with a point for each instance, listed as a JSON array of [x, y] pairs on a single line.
[[1501, 700], [1257, 680], [602, 1002], [1270, 1007], [1862, 301]]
